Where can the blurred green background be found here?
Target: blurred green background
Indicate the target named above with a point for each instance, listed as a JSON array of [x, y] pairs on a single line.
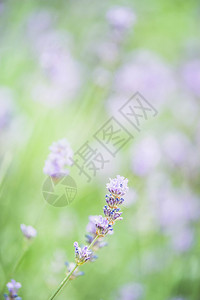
[[59, 66]]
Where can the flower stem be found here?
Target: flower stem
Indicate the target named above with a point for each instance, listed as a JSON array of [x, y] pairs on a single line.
[[92, 243], [17, 264], [63, 283], [66, 279]]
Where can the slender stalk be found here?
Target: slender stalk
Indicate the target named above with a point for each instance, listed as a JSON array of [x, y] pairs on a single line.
[[66, 279], [92, 243], [19, 261], [63, 283], [16, 266]]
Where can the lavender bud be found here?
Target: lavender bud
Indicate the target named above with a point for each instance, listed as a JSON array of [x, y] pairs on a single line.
[[82, 254], [102, 226], [118, 186], [28, 231], [112, 214], [113, 202]]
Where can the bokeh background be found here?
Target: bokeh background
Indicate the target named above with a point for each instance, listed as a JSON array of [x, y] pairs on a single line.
[[65, 68]]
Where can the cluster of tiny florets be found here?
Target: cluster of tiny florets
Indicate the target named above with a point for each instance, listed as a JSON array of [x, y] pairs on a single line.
[[13, 288], [118, 186], [59, 159], [112, 214], [82, 254], [99, 226], [102, 226]]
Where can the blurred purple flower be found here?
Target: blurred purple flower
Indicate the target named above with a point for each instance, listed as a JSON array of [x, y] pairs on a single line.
[[13, 288], [28, 231], [59, 158], [91, 227], [62, 78], [182, 240], [38, 23], [146, 156], [76, 273], [121, 18], [58, 78], [177, 148], [177, 209], [146, 73], [191, 76], [131, 291], [7, 107]]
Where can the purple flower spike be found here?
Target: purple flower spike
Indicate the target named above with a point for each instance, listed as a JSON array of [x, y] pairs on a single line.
[[118, 186], [102, 226], [112, 214], [59, 159], [82, 254], [28, 231], [13, 288], [113, 202]]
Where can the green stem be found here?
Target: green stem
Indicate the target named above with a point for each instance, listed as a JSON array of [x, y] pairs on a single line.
[[66, 279], [63, 283], [92, 243], [16, 266]]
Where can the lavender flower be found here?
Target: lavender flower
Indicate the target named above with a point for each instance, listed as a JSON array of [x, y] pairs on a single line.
[[98, 227], [82, 254], [191, 76], [102, 226], [91, 226], [177, 148], [113, 202], [76, 273], [59, 158], [58, 77], [28, 231], [131, 291], [146, 156], [92, 229], [121, 18], [146, 73], [112, 214], [13, 288], [182, 239], [118, 186]]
